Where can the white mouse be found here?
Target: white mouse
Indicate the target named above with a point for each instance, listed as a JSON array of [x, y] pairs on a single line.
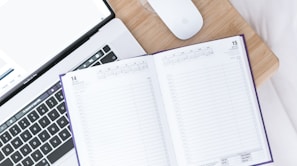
[[180, 16]]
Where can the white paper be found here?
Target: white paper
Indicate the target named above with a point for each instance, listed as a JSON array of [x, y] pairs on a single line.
[[117, 108], [192, 106], [211, 105]]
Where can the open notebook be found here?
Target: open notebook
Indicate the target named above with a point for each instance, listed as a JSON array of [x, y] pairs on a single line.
[[190, 106]]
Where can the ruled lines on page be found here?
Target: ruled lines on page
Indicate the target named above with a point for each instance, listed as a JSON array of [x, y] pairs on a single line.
[[214, 115], [210, 106], [120, 117]]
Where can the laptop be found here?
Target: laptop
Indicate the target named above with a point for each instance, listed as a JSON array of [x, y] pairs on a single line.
[[39, 40]]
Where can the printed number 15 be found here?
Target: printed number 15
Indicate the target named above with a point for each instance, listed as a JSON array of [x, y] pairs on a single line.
[[234, 43]]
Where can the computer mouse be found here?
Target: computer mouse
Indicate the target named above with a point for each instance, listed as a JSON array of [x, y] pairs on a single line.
[[181, 16]]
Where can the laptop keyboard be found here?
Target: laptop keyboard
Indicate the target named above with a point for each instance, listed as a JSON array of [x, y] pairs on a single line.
[[39, 134]]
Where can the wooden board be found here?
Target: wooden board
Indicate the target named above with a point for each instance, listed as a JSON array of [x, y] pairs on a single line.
[[220, 20]]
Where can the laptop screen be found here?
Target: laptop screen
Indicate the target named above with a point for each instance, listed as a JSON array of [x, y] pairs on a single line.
[[32, 32]]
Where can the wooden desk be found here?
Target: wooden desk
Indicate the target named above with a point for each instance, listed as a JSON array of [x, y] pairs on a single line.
[[220, 20]]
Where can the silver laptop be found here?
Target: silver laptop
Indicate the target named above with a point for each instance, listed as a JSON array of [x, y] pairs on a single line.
[[38, 41]]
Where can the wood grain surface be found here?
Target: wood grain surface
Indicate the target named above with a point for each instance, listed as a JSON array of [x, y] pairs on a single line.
[[220, 20]]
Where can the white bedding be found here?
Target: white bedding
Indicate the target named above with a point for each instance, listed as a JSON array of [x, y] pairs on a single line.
[[276, 22]]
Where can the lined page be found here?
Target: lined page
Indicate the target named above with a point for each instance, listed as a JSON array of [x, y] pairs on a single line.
[[211, 105], [118, 116]]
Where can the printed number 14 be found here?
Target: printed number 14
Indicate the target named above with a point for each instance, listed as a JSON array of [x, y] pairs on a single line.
[[73, 78]]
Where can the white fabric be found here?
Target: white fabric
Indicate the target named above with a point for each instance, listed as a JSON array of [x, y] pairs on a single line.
[[276, 22]]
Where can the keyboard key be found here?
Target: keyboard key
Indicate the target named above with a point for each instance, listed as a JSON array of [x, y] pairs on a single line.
[[14, 130], [43, 162], [59, 152], [96, 64], [26, 135], [46, 148], [53, 129], [17, 142], [53, 115], [27, 162], [110, 57], [106, 48], [16, 157], [64, 134], [25, 150], [7, 162], [5, 137], [51, 102], [24, 123], [1, 156], [59, 95], [7, 149], [34, 143], [42, 109], [61, 108], [44, 122], [55, 141], [36, 155], [33, 116], [44, 135], [99, 54], [62, 122], [35, 128]]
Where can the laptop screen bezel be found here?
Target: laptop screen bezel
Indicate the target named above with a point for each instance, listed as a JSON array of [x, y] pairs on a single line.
[[56, 59]]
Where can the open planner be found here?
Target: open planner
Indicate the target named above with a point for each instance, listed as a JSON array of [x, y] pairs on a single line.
[[190, 106]]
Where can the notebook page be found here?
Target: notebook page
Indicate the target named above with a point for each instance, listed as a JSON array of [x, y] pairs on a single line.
[[211, 105], [116, 121]]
